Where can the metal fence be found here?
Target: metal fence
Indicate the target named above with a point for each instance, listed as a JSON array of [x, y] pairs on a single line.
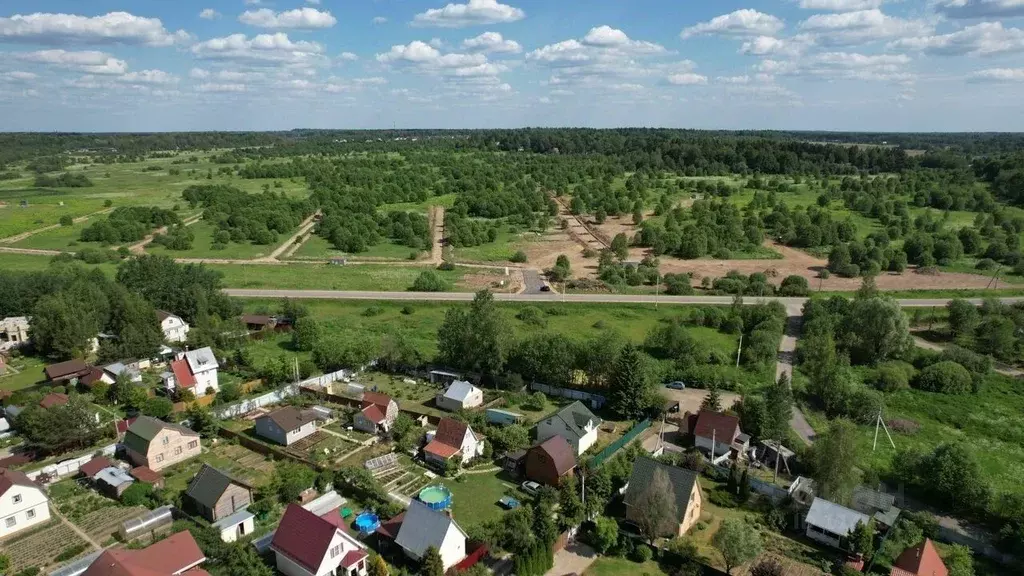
[[69, 467], [596, 401], [245, 406], [614, 447]]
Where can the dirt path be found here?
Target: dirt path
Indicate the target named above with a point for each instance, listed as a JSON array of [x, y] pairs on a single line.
[[140, 247], [997, 366], [573, 559], [304, 228], [96, 545], [578, 229], [437, 238], [30, 251], [23, 235]]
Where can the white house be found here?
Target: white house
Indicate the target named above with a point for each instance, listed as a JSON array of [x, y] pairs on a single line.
[[14, 332], [453, 439], [716, 433], [286, 425], [831, 524], [377, 413], [23, 503], [174, 328], [423, 528], [195, 370], [461, 395], [309, 545], [576, 423]]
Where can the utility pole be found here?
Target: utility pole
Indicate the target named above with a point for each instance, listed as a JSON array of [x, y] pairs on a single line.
[[738, 350], [657, 287], [778, 454], [880, 422]]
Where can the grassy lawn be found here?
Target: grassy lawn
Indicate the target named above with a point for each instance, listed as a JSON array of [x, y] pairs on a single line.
[[316, 248], [202, 246], [475, 497], [501, 250], [446, 200], [60, 238], [989, 423], [231, 459], [615, 566], [327, 277], [29, 373]]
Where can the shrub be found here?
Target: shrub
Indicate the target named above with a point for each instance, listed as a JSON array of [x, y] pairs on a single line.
[[723, 499], [946, 377], [535, 402], [893, 376], [429, 281], [794, 286], [70, 553], [408, 310], [533, 316], [67, 220], [446, 266], [373, 311], [519, 257], [33, 571], [824, 274], [986, 264], [589, 253], [642, 553]]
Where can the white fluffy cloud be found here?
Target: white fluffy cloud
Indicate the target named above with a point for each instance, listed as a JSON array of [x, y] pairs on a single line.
[[687, 79], [984, 39], [213, 87], [491, 42], [149, 77], [473, 13], [379, 20], [608, 37], [604, 52], [264, 48], [423, 57], [998, 75], [298, 19], [768, 45], [843, 65], [861, 27], [112, 28], [348, 57], [89, 61], [17, 76], [209, 14], [840, 5], [980, 8], [745, 22]]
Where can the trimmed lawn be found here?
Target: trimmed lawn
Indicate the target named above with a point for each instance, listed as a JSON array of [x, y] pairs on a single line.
[[475, 497], [29, 373], [615, 566]]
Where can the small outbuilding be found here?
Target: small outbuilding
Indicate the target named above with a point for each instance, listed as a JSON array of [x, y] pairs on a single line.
[[831, 524], [460, 395]]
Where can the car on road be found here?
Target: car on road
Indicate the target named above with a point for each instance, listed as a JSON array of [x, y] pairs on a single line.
[[677, 385], [530, 487], [545, 288]]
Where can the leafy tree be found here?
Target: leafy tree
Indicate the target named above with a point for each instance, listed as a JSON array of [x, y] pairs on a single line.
[[959, 560], [158, 407], [306, 334], [404, 431], [743, 490], [59, 428], [476, 339], [335, 352], [290, 480], [430, 281], [509, 438], [191, 291], [713, 401], [878, 330], [753, 416], [432, 564], [778, 408], [138, 494], [605, 534], [630, 389], [995, 335], [738, 542], [862, 539], [768, 567], [963, 319], [794, 285], [900, 537], [945, 377], [655, 507], [570, 506], [62, 328], [953, 477], [377, 567], [832, 459]]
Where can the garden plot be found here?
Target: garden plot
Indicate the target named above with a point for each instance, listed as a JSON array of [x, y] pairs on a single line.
[[98, 516], [102, 524], [237, 461], [41, 548], [318, 445]]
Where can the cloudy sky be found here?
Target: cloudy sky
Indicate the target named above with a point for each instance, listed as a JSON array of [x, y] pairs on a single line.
[[132, 65]]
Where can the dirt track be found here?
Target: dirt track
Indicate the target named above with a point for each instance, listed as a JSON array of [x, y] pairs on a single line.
[[23, 235]]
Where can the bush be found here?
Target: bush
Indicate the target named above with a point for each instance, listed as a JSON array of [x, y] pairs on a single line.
[[373, 311], [893, 376], [986, 264], [723, 499], [642, 553], [794, 286], [67, 220], [519, 257], [429, 281], [533, 316], [946, 377], [33, 571], [535, 402]]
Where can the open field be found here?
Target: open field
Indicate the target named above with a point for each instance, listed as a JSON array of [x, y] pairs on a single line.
[[202, 246], [316, 248], [331, 277]]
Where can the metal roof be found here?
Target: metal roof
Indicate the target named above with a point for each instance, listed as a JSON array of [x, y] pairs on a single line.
[[423, 528], [834, 518], [114, 476], [234, 519], [201, 360]]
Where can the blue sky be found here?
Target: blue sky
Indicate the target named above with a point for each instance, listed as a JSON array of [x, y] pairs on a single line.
[[140, 65]]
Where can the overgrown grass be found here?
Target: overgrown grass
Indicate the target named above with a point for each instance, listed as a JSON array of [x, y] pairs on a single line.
[[202, 246], [375, 277], [317, 248]]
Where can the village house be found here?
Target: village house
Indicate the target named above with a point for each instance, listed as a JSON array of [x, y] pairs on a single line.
[[158, 444], [194, 370], [67, 371], [174, 328], [879, 505], [23, 504], [460, 395], [453, 439], [176, 555], [550, 461], [686, 492], [423, 528], [831, 524], [287, 425], [717, 434], [309, 545], [377, 413], [13, 332], [96, 376], [576, 423], [222, 500], [920, 560], [258, 322]]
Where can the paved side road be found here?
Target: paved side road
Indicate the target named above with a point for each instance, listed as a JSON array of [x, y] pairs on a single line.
[[573, 559]]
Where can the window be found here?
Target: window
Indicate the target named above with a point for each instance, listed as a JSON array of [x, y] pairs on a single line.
[[159, 457], [30, 514], [193, 444], [167, 440], [11, 521], [17, 498], [335, 552]]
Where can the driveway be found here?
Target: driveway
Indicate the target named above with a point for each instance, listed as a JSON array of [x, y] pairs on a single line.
[[532, 282], [574, 558], [691, 398]]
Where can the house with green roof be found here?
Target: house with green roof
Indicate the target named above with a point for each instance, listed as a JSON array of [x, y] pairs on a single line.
[[158, 444]]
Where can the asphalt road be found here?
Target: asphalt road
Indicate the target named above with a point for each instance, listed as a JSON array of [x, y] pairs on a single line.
[[553, 297], [532, 282]]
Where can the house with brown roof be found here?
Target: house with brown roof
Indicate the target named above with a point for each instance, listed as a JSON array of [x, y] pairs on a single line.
[[287, 425], [53, 399], [258, 322], [377, 413], [95, 376], [176, 555], [215, 495], [308, 545], [550, 461], [91, 468], [23, 504], [158, 444], [453, 439], [920, 560], [716, 433], [68, 371]]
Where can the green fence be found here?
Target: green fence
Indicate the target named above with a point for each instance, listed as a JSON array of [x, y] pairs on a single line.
[[614, 447]]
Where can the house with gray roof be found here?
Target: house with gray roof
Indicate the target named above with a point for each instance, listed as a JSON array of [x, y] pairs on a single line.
[[879, 505], [222, 500], [686, 491], [576, 423], [423, 528], [158, 444], [460, 395], [831, 524]]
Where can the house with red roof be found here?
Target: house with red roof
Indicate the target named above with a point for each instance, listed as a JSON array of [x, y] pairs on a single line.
[[308, 545], [920, 560], [377, 413], [716, 433], [453, 439], [176, 555], [194, 370], [23, 504], [91, 468]]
